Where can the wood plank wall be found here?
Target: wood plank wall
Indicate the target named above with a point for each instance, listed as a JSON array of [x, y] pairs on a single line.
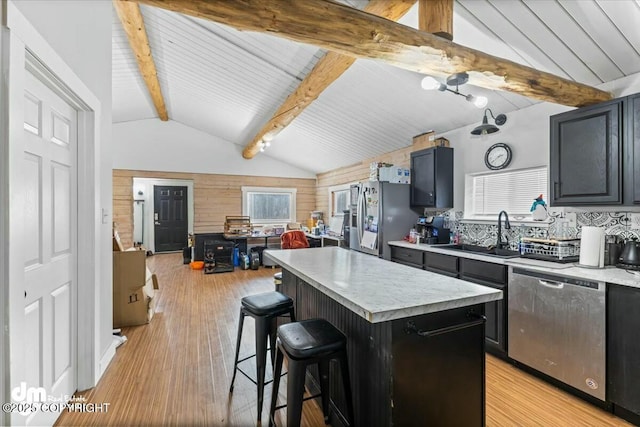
[[360, 172], [216, 196]]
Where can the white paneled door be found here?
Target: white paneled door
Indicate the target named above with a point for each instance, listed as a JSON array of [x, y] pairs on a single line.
[[50, 262]]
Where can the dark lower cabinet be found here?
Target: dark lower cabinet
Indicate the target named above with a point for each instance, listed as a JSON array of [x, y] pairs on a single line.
[[623, 351], [443, 264], [406, 256], [494, 276]]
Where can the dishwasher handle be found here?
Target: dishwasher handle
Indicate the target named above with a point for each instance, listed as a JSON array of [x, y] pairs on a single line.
[[551, 284], [411, 328]]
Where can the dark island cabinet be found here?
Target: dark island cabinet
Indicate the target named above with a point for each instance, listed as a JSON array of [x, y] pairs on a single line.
[[586, 156], [432, 178], [494, 276], [623, 351]]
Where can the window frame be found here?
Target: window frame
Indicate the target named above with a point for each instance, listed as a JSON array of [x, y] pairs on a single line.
[[331, 197], [292, 192], [469, 202]]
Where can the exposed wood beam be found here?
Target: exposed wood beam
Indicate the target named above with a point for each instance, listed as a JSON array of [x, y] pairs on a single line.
[[326, 71], [352, 32], [131, 19], [436, 17]]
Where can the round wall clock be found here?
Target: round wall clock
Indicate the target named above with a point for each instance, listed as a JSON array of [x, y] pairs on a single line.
[[498, 156]]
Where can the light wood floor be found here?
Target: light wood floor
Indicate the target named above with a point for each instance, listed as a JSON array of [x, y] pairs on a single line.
[[177, 369]]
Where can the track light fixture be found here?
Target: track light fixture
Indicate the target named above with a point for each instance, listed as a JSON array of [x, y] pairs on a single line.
[[457, 79], [264, 144], [485, 128]]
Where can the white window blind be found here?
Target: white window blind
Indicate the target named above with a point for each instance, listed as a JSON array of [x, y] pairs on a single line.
[[513, 191]]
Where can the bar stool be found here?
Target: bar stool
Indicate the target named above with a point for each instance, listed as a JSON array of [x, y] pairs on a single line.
[[264, 308], [305, 343], [277, 280]]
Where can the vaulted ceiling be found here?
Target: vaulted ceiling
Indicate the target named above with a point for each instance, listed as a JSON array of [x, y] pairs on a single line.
[[229, 83]]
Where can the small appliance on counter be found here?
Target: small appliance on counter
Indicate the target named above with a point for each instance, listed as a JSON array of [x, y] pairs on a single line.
[[630, 256], [432, 230]]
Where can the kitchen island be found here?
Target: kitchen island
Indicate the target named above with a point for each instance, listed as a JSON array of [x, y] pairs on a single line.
[[415, 338]]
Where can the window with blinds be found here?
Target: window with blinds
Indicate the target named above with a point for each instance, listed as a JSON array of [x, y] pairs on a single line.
[[513, 191]]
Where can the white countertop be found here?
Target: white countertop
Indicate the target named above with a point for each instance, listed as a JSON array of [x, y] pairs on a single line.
[[376, 289], [609, 274]]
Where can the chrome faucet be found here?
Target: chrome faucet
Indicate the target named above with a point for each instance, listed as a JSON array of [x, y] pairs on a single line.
[[507, 226]]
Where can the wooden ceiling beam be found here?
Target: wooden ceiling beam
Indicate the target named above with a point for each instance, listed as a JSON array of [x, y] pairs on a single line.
[[436, 17], [355, 33], [326, 71], [133, 24]]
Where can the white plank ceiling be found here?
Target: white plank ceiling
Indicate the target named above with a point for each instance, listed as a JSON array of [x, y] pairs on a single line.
[[229, 83]]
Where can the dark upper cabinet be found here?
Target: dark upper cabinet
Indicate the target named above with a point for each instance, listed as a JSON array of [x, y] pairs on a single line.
[[632, 150], [586, 156], [432, 178], [623, 347]]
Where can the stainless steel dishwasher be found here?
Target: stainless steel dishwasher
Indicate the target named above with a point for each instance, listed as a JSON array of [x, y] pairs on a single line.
[[556, 325]]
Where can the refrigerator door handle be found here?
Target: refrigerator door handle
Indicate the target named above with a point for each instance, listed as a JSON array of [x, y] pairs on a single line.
[[360, 214]]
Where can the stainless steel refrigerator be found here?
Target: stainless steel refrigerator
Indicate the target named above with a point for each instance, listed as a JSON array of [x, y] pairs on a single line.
[[380, 213]]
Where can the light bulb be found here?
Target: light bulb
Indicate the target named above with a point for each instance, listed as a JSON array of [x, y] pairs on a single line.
[[429, 83], [262, 148], [267, 144], [480, 101]]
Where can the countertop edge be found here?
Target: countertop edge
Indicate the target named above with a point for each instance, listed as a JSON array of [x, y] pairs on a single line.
[[610, 274], [390, 315]]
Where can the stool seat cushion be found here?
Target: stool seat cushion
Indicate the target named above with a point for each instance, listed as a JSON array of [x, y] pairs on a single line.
[[278, 275], [310, 338], [266, 303]]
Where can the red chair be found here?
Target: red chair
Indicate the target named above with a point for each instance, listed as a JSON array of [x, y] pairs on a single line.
[[293, 239]]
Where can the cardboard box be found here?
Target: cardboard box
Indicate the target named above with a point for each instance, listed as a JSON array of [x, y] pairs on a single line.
[[428, 139], [424, 138], [133, 289]]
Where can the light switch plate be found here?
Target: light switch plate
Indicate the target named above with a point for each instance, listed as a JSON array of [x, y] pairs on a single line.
[[572, 219], [634, 221]]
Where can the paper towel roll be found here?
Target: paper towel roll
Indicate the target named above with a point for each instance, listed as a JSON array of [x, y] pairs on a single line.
[[592, 247]]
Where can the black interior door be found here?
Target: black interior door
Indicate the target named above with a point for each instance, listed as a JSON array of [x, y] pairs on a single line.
[[170, 217]]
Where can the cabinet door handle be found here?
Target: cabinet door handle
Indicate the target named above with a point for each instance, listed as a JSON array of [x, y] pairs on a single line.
[[411, 328]]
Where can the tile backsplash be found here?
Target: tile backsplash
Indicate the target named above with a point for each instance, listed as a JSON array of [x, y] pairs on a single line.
[[614, 223]]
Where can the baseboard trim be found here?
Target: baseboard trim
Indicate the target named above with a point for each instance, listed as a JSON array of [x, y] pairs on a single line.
[[106, 358]]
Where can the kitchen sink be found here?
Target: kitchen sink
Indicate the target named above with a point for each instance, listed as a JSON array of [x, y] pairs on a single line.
[[484, 250]]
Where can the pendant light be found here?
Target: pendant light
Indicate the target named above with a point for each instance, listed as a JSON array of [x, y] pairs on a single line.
[[486, 128], [457, 79]]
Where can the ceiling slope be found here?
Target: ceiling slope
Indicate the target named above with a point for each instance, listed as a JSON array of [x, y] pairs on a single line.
[[353, 32], [228, 83]]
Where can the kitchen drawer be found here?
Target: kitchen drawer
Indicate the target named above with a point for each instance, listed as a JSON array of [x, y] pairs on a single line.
[[481, 270], [441, 263], [413, 257]]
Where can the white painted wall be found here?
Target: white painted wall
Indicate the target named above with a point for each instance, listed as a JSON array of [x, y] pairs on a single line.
[[154, 145], [80, 32], [526, 131]]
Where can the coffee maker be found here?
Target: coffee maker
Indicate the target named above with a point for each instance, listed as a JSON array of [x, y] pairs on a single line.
[[432, 230]]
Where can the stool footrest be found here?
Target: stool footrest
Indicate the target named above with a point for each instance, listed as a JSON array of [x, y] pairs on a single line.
[[251, 379], [305, 399]]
